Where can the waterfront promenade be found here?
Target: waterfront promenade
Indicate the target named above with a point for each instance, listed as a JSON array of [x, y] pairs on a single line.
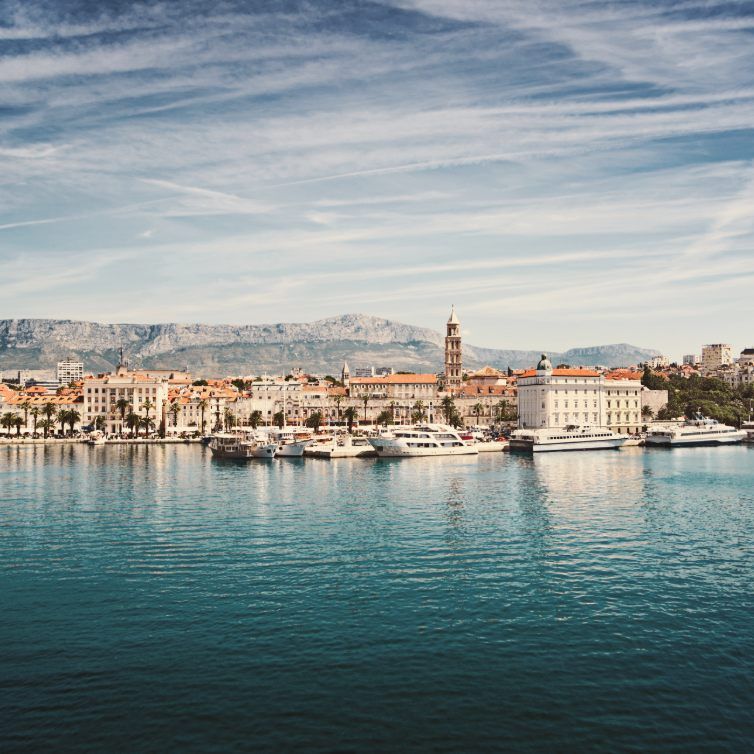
[[157, 599]]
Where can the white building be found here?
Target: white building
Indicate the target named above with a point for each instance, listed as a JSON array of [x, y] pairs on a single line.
[[70, 371], [144, 396], [716, 355], [658, 362], [557, 398]]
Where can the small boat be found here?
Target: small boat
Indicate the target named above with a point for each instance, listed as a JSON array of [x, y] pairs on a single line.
[[96, 438], [227, 445], [290, 443], [346, 446]]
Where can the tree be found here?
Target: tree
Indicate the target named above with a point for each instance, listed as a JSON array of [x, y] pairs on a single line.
[[133, 422], [448, 407], [175, 409], [35, 412], [123, 406], [203, 403], [147, 423], [315, 420], [384, 417], [392, 406], [337, 400], [26, 406], [49, 412], [62, 417], [19, 422], [200, 383], [350, 415], [365, 398], [100, 422], [46, 425], [647, 412], [229, 418], [8, 420], [279, 419], [419, 413], [255, 417], [478, 410]]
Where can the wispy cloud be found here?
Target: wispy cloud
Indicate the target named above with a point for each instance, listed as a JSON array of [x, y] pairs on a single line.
[[523, 155]]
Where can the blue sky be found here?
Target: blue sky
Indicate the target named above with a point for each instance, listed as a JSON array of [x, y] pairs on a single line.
[[567, 173]]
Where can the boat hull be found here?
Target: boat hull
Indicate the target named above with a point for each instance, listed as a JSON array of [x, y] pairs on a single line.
[[292, 449], [529, 446], [389, 449], [691, 442]]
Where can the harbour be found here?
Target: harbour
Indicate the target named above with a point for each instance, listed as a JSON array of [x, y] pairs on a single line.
[[160, 596]]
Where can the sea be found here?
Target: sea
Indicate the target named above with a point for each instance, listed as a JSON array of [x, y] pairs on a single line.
[[154, 599]]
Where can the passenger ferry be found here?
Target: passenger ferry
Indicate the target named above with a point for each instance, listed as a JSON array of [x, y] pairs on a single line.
[[566, 438], [422, 440], [698, 431]]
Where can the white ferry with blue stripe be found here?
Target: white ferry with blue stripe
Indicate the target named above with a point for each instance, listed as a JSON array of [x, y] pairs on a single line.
[[698, 431], [566, 438]]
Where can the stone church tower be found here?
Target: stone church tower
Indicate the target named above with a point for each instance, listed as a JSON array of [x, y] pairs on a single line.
[[453, 365]]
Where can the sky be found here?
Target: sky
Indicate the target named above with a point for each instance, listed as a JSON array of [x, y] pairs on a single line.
[[567, 173]]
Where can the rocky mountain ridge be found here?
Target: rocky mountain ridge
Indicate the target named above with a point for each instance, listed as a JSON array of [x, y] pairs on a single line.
[[244, 349]]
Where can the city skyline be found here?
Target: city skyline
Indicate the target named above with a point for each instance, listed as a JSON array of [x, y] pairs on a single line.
[[568, 173]]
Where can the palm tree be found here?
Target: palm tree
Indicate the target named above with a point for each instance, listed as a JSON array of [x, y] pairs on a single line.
[[337, 399], [147, 406], [133, 420], [100, 422], [73, 417], [8, 420], [392, 406], [62, 417], [26, 406], [365, 400], [350, 415], [229, 418], [315, 421], [419, 413], [203, 403], [175, 409], [122, 405], [647, 412], [35, 411], [49, 411], [478, 410], [448, 408], [279, 419], [46, 425], [19, 422], [147, 423], [254, 418], [384, 417]]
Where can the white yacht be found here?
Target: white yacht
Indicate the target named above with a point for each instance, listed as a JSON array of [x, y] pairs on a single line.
[[422, 440], [229, 445], [346, 446], [748, 427], [290, 443], [698, 431], [566, 438]]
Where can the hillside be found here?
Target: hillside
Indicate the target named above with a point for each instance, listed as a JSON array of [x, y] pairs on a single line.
[[319, 346]]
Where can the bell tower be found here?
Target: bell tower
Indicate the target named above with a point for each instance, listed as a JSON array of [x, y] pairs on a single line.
[[453, 365]]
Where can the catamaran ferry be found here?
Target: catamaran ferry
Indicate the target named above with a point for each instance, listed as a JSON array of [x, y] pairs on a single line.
[[698, 431], [565, 438], [422, 440]]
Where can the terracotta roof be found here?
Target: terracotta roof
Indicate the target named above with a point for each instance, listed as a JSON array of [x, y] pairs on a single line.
[[623, 374], [482, 390], [396, 379], [564, 373]]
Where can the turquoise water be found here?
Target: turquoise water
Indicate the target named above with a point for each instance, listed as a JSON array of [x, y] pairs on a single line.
[[154, 599]]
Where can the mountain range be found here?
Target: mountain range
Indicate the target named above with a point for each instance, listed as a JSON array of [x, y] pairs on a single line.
[[220, 350]]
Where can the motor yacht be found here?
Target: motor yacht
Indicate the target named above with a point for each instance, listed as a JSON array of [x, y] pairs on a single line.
[[700, 430], [422, 440], [565, 438], [344, 446]]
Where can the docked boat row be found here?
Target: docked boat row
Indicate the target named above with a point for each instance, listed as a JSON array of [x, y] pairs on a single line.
[[441, 440]]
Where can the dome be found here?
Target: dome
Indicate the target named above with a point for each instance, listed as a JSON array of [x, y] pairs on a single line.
[[544, 364]]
